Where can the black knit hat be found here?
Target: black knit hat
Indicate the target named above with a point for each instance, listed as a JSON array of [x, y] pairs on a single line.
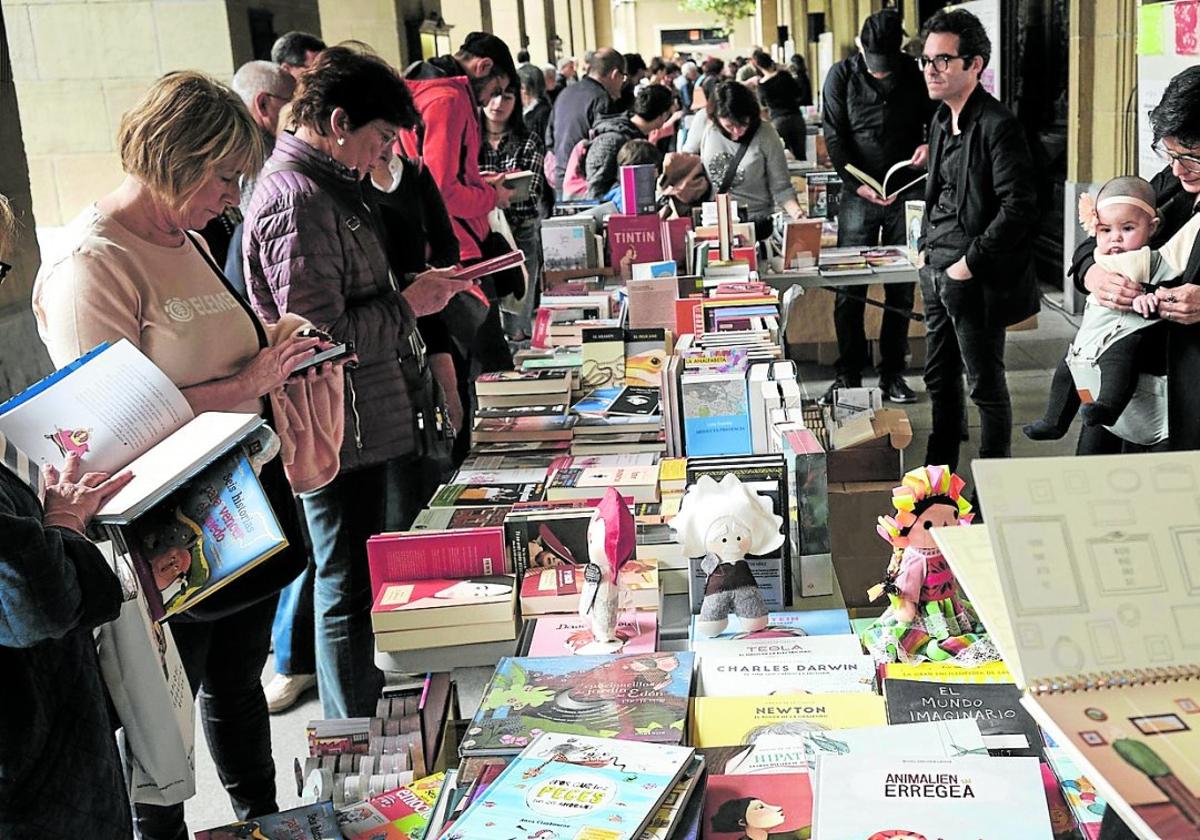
[[487, 45], [881, 37]]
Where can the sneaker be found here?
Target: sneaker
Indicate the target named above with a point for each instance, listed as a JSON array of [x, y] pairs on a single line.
[[896, 390], [839, 382], [285, 689]]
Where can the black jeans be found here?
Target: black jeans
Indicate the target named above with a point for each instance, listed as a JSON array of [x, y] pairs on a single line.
[[960, 340], [862, 223], [224, 662], [794, 132]]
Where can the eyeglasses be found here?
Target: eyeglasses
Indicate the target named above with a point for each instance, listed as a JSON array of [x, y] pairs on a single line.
[[4, 269], [1189, 162], [941, 63]]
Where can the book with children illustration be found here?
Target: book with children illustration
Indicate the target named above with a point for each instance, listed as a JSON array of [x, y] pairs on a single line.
[[1093, 597], [778, 803], [636, 697]]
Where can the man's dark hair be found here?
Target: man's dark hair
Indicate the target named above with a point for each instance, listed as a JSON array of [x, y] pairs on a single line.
[[637, 152], [651, 102], [293, 48], [734, 101], [523, 56], [364, 86], [713, 67], [1177, 114], [657, 65], [972, 37], [672, 69], [487, 45], [604, 61], [533, 80], [634, 63], [763, 60]]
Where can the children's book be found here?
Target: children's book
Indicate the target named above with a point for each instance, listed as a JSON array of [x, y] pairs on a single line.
[[1087, 806], [115, 410], [769, 721], [400, 814], [633, 697], [563, 635], [983, 798], [576, 786], [308, 822], [672, 815], [443, 602], [844, 645], [749, 675], [936, 739], [789, 624], [996, 707], [1092, 595], [777, 804], [946, 672], [210, 531]]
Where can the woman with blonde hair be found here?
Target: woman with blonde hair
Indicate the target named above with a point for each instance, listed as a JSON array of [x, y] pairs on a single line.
[[134, 269]]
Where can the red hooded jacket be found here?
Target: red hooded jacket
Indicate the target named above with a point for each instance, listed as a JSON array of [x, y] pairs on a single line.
[[449, 145]]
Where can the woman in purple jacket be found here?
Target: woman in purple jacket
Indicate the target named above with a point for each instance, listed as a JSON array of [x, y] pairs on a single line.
[[312, 247]]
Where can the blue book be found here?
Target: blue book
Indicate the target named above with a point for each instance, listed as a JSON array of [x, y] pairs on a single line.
[[831, 622], [716, 414], [575, 786]]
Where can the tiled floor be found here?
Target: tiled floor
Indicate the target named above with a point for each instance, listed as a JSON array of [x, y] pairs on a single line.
[[1031, 358]]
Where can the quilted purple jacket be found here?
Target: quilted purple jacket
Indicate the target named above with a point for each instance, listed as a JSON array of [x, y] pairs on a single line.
[[306, 252]]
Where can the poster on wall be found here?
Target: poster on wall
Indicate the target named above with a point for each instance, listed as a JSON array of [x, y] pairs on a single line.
[[1166, 45], [988, 12]]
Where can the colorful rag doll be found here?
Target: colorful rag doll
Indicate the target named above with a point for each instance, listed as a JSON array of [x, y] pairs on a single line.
[[928, 617], [723, 523], [612, 540]]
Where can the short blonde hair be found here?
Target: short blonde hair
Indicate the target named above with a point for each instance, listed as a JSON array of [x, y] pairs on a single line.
[[185, 126]]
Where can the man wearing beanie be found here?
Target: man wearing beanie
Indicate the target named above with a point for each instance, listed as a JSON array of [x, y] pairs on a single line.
[[876, 113]]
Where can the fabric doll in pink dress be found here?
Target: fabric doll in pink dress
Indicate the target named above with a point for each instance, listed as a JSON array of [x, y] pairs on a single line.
[[928, 617]]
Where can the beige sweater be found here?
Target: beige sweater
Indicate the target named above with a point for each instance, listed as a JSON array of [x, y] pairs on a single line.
[[111, 284]]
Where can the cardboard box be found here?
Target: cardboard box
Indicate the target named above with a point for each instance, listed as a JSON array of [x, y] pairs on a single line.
[[810, 320], [860, 555], [869, 448]]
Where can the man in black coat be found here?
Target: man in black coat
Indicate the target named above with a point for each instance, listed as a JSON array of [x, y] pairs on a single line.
[[876, 114], [1175, 123], [582, 105], [976, 241]]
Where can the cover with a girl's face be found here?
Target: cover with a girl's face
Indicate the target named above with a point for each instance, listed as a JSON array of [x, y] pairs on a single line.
[[758, 807]]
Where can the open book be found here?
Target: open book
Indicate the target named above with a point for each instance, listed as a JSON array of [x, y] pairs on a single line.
[[881, 189], [1087, 576], [194, 516]]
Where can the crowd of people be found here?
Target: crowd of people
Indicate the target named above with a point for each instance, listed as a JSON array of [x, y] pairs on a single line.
[[360, 189]]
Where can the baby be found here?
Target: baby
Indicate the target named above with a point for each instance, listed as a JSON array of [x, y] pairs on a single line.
[[1123, 220]]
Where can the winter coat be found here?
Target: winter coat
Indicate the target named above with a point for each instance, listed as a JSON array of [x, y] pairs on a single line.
[[312, 248], [575, 113], [600, 166]]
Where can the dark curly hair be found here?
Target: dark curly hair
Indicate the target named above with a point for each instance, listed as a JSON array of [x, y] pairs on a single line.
[[734, 101], [1178, 112], [363, 85], [651, 102], [972, 37]]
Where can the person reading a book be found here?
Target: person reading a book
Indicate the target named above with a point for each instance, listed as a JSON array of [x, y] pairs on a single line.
[[1122, 218], [506, 146], [1175, 126], [876, 113], [744, 157]]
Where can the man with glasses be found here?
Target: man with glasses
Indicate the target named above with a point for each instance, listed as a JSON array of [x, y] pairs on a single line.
[[876, 114], [976, 242], [1175, 124]]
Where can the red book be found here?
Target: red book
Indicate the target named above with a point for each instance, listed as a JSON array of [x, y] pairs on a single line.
[[686, 310], [633, 239], [422, 555], [674, 234], [491, 266]]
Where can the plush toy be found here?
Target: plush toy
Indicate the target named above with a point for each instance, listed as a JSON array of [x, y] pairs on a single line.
[[723, 523], [928, 617], [611, 540]]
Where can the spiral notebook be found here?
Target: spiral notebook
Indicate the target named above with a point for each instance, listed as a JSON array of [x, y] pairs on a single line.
[[1087, 575]]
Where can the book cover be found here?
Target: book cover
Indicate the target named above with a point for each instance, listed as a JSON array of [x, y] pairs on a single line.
[[576, 786], [935, 739], [716, 413], [566, 247], [590, 482], [562, 635], [523, 382], [204, 535], [633, 239], [549, 425], [1086, 804], [780, 719], [636, 401], [486, 495], [824, 195], [749, 675], [751, 644], [460, 518], [865, 796], [652, 303], [637, 188], [782, 625], [677, 810], [675, 242], [996, 707], [308, 822], [422, 555], [646, 353], [443, 602], [541, 539], [597, 401], [914, 214], [801, 244], [946, 672], [534, 410], [603, 357], [399, 814], [635, 697], [772, 805]]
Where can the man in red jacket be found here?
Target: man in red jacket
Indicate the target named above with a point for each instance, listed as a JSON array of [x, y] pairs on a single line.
[[448, 91]]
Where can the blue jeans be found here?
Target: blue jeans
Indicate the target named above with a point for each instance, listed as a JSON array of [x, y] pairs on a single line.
[[959, 340], [341, 516], [293, 634]]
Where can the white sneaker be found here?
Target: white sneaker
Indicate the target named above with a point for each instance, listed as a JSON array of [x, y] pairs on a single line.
[[285, 689]]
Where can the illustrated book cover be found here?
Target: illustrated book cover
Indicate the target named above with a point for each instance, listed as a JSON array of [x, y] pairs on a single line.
[[756, 722], [780, 803]]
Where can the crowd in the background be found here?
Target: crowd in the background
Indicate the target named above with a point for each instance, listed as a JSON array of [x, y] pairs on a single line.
[[336, 194]]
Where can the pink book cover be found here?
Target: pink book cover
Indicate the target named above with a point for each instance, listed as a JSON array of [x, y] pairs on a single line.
[[781, 803], [633, 239], [559, 635], [675, 233], [423, 555]]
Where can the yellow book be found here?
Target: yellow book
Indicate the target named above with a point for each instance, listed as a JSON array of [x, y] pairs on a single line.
[[946, 672], [725, 721], [672, 472]]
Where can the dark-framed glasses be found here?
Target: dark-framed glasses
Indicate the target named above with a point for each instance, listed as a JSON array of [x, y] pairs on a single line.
[[1189, 162], [941, 63]]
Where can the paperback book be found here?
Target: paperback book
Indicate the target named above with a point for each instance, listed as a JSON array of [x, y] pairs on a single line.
[[772, 721], [996, 707], [443, 602], [420, 555]]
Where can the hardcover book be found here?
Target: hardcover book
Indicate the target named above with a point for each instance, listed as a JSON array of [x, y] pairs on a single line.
[[420, 555], [996, 707], [308, 822], [566, 247], [844, 645], [637, 188], [575, 786], [757, 722], [635, 697], [780, 803], [742, 675], [782, 625], [486, 495], [936, 739], [946, 672], [633, 239], [443, 602], [863, 795], [673, 814], [562, 635]]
